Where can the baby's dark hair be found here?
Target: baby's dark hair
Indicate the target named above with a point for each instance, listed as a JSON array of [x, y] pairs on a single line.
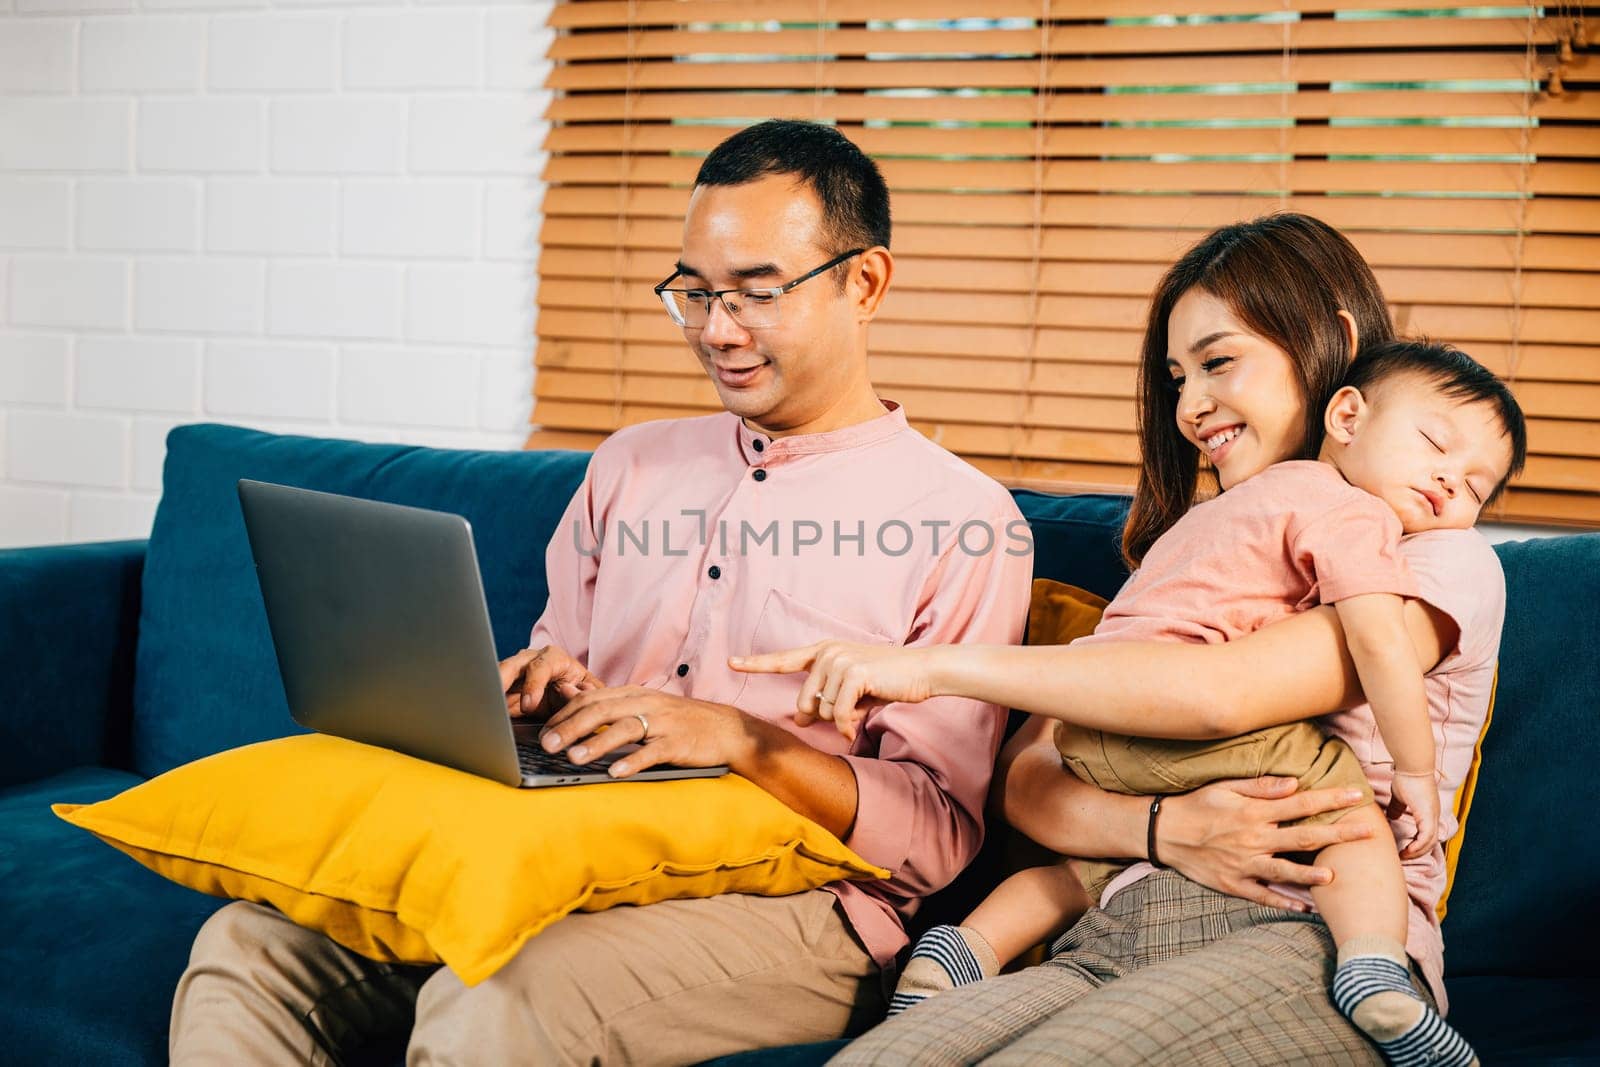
[[1457, 375]]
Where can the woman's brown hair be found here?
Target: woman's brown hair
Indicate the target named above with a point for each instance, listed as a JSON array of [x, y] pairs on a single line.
[[1286, 277]]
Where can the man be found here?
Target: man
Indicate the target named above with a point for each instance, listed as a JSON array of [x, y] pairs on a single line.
[[809, 509]]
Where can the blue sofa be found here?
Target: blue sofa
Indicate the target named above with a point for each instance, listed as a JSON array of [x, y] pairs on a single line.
[[120, 661]]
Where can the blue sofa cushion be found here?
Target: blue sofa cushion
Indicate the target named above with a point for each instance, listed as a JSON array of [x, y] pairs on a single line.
[[68, 624], [1528, 1020], [1532, 847], [1077, 539], [207, 678], [814, 1054], [94, 943]]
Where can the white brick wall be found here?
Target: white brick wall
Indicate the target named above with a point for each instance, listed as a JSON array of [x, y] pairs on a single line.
[[415, 49], [76, 134], [138, 373], [274, 53], [455, 304], [339, 135], [284, 381], [63, 447], [447, 395], [308, 216], [149, 52], [200, 134], [334, 299], [36, 56], [69, 291], [411, 219], [198, 295], [35, 213], [33, 369], [284, 216], [138, 214], [473, 135]]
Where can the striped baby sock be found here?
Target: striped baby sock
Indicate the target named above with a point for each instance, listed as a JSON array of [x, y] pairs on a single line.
[[945, 957], [1372, 988]]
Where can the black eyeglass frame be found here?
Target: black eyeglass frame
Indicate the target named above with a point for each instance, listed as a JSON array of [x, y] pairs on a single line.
[[661, 290]]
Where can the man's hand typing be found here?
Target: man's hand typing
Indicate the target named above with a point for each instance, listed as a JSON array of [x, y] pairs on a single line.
[[669, 729], [539, 681]]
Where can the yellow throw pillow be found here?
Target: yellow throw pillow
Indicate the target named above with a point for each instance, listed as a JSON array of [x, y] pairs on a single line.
[[406, 861], [1463, 804], [1059, 614]]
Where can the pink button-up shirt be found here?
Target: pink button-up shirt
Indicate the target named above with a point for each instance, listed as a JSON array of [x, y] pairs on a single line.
[[693, 540]]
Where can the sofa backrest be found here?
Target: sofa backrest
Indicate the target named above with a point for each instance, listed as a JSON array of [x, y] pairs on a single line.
[[1077, 539], [206, 675], [1525, 891]]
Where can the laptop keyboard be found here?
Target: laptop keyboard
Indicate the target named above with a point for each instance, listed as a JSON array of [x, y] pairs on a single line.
[[535, 760]]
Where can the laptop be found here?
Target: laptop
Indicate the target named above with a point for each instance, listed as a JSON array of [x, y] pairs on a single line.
[[382, 632]]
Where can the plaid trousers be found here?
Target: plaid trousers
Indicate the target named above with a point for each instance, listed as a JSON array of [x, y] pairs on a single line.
[[1171, 972]]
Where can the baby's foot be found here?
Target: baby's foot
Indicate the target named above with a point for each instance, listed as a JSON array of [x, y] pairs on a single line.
[[1375, 993], [945, 957]]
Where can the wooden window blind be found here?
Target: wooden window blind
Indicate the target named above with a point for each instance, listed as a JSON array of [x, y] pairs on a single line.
[[1048, 161]]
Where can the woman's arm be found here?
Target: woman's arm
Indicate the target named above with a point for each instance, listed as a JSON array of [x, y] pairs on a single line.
[[1289, 671], [1226, 835], [1286, 672], [1034, 793]]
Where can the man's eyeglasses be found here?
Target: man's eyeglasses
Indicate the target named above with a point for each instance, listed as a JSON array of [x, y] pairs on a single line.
[[750, 308]]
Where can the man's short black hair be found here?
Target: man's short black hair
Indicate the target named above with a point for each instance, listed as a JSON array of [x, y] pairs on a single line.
[[855, 200], [1457, 375]]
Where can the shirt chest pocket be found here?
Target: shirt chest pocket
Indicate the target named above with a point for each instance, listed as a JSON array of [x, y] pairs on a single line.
[[787, 622]]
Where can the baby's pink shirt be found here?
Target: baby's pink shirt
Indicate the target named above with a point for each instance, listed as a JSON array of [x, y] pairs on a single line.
[[1299, 535], [1458, 573], [1294, 536]]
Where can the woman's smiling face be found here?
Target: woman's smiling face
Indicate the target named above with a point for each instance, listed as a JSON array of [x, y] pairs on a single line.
[[1239, 402]]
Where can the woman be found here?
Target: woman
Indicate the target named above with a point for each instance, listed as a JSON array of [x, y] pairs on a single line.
[[1211, 960]]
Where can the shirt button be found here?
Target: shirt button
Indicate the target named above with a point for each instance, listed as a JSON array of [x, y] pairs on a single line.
[[759, 445], [715, 573], [683, 669], [760, 474]]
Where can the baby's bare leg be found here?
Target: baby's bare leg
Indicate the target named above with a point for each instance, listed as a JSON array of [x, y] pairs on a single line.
[[1025, 909], [1367, 896], [1030, 907], [1365, 907]]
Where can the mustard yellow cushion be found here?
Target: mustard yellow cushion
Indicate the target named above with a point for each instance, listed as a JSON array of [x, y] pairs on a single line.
[[405, 861], [1059, 614], [1463, 804]]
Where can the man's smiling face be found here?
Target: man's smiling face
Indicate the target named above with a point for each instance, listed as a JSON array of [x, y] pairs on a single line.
[[761, 234]]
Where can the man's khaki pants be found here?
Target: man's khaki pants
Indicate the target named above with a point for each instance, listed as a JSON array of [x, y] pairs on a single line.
[[672, 983]]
